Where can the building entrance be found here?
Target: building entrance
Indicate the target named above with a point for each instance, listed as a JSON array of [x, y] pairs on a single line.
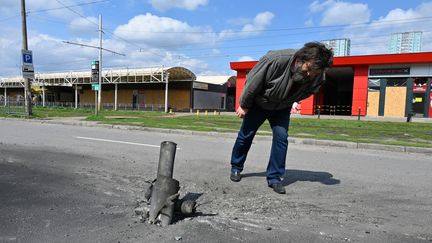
[[420, 101], [418, 104], [336, 95]]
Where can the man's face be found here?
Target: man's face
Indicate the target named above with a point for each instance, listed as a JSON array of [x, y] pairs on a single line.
[[304, 72]]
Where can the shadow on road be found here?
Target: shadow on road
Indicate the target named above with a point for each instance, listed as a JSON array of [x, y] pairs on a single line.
[[292, 176]]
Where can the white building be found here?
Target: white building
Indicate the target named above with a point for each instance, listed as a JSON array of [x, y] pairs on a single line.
[[340, 47], [405, 42]]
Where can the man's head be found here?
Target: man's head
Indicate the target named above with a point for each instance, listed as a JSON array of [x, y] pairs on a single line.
[[311, 60]]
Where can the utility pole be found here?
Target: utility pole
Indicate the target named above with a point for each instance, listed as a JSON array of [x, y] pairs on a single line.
[[99, 92], [166, 89], [100, 64], [27, 90]]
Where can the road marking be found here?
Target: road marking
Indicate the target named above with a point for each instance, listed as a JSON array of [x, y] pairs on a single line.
[[117, 141]]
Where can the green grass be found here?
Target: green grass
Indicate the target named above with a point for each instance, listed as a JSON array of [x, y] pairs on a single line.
[[163, 120], [47, 112], [12, 111], [390, 133]]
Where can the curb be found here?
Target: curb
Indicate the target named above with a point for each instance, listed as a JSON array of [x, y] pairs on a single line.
[[302, 141]]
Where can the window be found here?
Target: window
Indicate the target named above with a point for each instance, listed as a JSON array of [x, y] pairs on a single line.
[[396, 82], [374, 84]]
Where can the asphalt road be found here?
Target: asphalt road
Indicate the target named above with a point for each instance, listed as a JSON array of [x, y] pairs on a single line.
[[63, 183]]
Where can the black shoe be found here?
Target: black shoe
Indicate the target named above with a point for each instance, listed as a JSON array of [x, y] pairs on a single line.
[[278, 188], [235, 176]]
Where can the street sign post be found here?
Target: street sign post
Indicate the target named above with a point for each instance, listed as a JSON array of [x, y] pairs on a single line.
[[95, 82], [27, 64], [95, 71]]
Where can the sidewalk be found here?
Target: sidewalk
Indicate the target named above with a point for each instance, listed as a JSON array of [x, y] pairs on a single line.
[[79, 121], [362, 118]]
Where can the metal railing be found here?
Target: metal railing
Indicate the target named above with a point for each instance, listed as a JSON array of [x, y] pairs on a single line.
[[332, 109], [12, 107], [106, 106]]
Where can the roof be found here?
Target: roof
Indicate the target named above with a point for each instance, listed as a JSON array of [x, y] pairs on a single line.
[[382, 59], [180, 73], [218, 80], [110, 75], [379, 59], [242, 65]]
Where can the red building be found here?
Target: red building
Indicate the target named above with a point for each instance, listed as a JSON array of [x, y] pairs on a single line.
[[375, 85]]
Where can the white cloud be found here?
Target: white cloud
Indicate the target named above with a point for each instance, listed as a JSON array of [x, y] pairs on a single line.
[[147, 40], [214, 73], [157, 37], [316, 6], [84, 26], [245, 59], [373, 38], [66, 57], [260, 22], [239, 21], [152, 30], [10, 56], [58, 10], [340, 12], [190, 63], [163, 5], [13, 7], [309, 22], [72, 57]]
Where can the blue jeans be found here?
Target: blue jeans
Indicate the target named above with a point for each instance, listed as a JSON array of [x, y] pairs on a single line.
[[279, 122]]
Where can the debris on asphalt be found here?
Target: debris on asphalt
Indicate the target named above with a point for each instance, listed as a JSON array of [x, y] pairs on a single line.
[[162, 201], [139, 211]]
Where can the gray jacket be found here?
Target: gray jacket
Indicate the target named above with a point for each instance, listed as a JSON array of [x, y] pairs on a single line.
[[270, 86]]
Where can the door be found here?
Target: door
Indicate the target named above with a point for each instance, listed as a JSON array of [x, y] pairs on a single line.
[[418, 104]]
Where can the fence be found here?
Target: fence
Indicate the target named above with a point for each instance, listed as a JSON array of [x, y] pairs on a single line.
[[107, 106], [333, 109], [12, 107]]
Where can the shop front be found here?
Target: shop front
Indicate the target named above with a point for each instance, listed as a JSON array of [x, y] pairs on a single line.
[[393, 85]]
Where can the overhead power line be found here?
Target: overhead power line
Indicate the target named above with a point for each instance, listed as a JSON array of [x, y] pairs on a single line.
[[68, 6], [282, 43], [46, 64], [249, 49], [298, 31], [140, 48], [52, 9], [95, 47], [82, 16], [286, 29], [333, 28], [112, 33]]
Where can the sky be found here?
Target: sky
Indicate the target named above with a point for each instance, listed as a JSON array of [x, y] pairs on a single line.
[[201, 35]]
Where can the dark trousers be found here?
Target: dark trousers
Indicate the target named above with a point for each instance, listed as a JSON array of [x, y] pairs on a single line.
[[279, 122]]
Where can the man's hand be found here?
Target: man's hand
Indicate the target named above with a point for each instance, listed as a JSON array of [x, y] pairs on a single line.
[[241, 112]]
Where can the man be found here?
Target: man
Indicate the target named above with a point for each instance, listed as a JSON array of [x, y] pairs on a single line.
[[279, 79]]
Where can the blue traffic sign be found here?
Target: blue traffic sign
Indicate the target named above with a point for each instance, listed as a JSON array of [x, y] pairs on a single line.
[[27, 64], [27, 57]]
